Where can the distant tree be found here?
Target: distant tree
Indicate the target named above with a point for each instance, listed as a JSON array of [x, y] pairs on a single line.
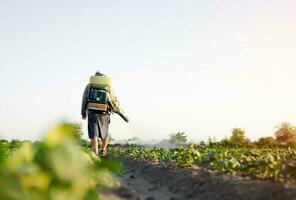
[[285, 133], [265, 142], [178, 139], [238, 137]]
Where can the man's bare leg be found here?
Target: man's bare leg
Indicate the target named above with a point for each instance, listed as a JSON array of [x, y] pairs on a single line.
[[105, 143], [104, 146], [94, 145]]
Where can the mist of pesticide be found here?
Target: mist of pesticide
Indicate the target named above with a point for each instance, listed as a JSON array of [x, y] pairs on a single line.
[[137, 131]]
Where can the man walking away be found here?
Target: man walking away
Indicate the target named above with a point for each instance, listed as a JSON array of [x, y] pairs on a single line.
[[97, 103]]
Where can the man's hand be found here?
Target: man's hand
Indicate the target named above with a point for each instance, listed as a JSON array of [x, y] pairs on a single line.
[[84, 117]]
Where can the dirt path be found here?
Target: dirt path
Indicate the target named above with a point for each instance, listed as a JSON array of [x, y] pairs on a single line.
[[133, 186], [146, 188], [143, 180]]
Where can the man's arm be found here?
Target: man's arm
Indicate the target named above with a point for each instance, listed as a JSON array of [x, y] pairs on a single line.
[[84, 102]]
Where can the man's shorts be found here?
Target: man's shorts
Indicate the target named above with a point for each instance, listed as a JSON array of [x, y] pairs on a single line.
[[98, 125]]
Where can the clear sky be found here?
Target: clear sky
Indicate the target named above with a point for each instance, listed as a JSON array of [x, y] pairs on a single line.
[[203, 67]]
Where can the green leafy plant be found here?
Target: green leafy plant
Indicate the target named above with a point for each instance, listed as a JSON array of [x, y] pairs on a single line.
[[263, 163], [56, 168]]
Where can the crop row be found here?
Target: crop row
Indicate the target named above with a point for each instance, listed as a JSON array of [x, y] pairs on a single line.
[[276, 164]]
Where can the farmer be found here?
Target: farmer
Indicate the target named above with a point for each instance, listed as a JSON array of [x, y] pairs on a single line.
[[97, 103]]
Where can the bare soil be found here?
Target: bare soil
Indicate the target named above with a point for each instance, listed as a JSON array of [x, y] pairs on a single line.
[[143, 180]]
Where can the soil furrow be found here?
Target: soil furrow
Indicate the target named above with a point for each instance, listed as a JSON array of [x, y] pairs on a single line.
[[148, 181]]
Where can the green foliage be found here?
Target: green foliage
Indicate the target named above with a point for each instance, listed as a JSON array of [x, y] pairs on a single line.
[[178, 139], [226, 142], [285, 133], [266, 142], [77, 133], [3, 141], [292, 144], [238, 137], [56, 168], [258, 163], [212, 140], [185, 156], [5, 149], [3, 152], [14, 144]]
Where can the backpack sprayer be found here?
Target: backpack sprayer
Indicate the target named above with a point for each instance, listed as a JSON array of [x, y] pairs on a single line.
[[100, 96]]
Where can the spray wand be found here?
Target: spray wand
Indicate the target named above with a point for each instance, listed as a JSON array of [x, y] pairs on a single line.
[[119, 112]]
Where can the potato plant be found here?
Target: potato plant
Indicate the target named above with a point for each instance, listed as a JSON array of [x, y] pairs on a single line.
[[266, 163], [56, 168]]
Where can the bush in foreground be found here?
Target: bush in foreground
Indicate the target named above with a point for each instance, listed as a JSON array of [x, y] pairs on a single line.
[[56, 168]]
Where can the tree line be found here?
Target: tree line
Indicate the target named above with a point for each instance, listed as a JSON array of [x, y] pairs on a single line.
[[283, 136]]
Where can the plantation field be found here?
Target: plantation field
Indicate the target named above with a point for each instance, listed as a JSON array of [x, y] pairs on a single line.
[[62, 166], [277, 164], [209, 171]]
